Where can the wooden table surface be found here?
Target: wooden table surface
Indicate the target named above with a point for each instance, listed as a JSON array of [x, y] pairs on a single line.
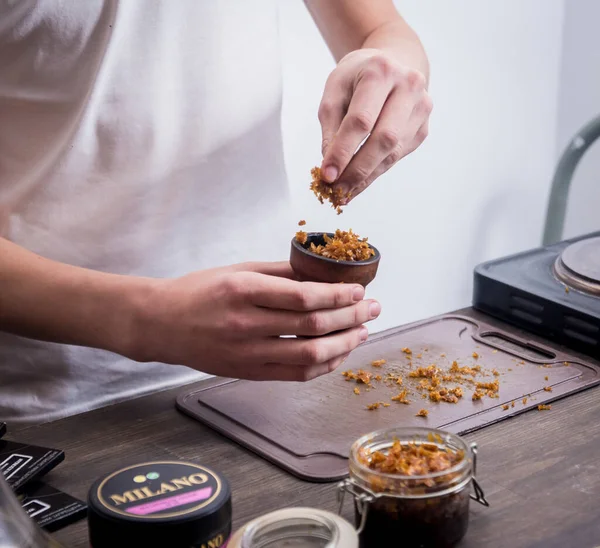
[[540, 470]]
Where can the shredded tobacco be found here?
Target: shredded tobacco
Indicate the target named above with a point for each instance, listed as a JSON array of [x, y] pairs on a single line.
[[363, 376], [422, 413], [357, 390], [402, 397], [505, 407], [544, 407], [438, 384], [493, 386], [425, 372], [344, 246], [325, 191], [301, 222], [412, 459], [478, 395], [377, 405], [548, 388], [301, 237]]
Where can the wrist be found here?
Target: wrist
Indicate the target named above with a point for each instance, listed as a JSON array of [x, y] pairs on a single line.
[[131, 308]]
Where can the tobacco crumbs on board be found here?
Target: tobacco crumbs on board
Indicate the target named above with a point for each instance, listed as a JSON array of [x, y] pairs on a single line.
[[437, 383], [422, 413], [544, 407], [401, 397]]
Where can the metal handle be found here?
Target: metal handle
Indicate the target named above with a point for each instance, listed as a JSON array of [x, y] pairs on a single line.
[[561, 183], [362, 500], [479, 495]]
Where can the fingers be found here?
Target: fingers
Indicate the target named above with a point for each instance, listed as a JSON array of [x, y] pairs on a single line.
[[398, 132], [281, 269], [368, 98], [332, 109], [305, 352], [274, 323], [293, 373], [283, 294], [389, 136]]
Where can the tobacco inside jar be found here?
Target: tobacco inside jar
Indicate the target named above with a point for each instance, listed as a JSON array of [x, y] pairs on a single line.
[[412, 487]]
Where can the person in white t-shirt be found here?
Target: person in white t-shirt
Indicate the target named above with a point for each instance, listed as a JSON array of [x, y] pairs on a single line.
[[144, 201]]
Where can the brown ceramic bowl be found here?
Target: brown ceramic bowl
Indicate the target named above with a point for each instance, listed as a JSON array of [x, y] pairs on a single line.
[[310, 267]]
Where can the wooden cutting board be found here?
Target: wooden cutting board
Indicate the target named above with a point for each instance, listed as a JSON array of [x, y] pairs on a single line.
[[308, 428]]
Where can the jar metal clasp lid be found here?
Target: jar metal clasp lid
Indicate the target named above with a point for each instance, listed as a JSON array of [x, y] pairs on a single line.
[[364, 496]]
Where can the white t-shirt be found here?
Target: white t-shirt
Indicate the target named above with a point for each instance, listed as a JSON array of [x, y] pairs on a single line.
[[137, 137]]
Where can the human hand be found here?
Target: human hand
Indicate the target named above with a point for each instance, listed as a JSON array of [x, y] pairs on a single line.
[[230, 322], [369, 94]]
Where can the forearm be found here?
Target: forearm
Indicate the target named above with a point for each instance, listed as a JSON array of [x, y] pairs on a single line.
[[51, 301], [349, 25]]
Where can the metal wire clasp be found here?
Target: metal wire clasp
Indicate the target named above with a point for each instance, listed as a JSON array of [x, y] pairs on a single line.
[[362, 497], [479, 495]]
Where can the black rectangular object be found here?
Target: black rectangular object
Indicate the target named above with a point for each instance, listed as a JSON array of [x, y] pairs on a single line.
[[51, 508], [523, 290], [22, 462], [2, 429]]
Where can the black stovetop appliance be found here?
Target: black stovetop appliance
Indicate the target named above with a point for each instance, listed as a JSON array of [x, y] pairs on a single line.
[[552, 291]]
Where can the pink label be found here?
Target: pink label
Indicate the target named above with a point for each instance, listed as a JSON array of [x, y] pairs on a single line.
[[170, 502]]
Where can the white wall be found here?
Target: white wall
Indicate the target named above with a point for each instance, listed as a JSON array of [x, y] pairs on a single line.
[[580, 102], [477, 188]]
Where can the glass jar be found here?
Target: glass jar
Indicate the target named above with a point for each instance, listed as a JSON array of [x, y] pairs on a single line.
[[412, 511], [17, 529], [296, 528]]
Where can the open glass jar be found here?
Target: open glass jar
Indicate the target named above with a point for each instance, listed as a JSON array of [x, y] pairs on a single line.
[[408, 508], [296, 528]]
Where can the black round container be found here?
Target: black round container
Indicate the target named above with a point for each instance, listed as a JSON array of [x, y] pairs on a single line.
[[164, 503]]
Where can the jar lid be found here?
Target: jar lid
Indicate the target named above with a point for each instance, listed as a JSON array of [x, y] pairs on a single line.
[[307, 527], [162, 503]]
